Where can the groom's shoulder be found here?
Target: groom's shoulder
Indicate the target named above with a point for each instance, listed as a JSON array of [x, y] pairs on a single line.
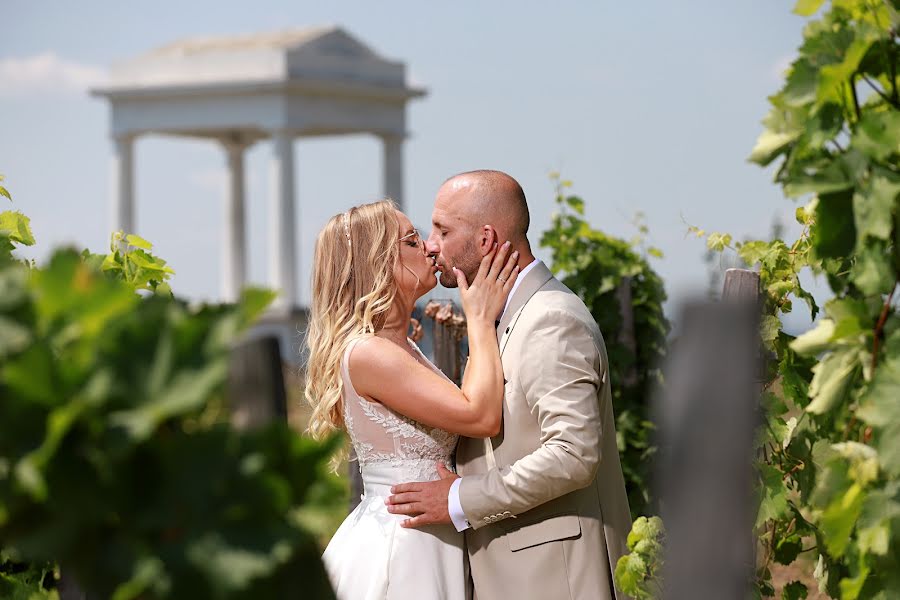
[[556, 300], [555, 295]]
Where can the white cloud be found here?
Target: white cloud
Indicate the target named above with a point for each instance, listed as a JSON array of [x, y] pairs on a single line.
[[46, 73]]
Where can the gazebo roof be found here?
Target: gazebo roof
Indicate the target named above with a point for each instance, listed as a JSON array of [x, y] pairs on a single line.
[[319, 55]]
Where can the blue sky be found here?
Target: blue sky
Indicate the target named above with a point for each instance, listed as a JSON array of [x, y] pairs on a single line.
[[650, 106]]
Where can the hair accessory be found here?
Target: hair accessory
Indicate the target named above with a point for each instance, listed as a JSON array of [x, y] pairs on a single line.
[[347, 227]]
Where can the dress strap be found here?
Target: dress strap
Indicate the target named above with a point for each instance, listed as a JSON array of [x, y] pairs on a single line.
[[345, 365]]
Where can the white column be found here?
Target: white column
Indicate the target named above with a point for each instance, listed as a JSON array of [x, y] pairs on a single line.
[[122, 184], [392, 165], [282, 243], [234, 257]]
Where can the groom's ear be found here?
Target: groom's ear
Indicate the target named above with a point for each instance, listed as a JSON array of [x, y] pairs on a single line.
[[487, 238]]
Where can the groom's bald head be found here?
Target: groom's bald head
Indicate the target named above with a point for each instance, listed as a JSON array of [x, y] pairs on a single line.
[[472, 211], [487, 197]]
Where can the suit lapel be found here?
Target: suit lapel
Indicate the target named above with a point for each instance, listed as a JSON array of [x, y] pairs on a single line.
[[533, 281]]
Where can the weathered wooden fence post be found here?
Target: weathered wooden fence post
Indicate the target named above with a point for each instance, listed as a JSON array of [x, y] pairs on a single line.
[[627, 335], [255, 390], [708, 415], [69, 589], [449, 328]]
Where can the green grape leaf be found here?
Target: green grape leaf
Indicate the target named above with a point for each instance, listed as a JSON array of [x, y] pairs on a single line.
[[878, 405], [833, 76], [774, 504], [801, 85], [148, 261], [873, 272], [790, 427], [69, 289], [753, 252], [138, 242], [831, 379], [640, 530], [794, 591], [254, 301], [878, 134], [630, 573], [718, 242], [807, 8], [771, 144], [851, 318], [852, 586], [187, 392], [863, 461], [770, 326], [234, 566], [830, 179], [795, 386], [873, 206], [14, 337], [835, 233], [815, 340], [888, 445], [879, 510], [17, 227], [149, 574], [576, 204], [787, 549], [840, 517], [5, 192]]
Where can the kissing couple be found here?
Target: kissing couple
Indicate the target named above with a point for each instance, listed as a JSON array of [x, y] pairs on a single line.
[[509, 486]]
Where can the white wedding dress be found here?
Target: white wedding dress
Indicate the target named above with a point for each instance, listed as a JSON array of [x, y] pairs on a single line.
[[370, 556]]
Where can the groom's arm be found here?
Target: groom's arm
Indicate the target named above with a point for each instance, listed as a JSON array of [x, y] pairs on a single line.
[[560, 374]]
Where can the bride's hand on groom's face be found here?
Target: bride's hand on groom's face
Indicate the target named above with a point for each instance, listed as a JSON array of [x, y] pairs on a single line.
[[485, 297], [425, 502]]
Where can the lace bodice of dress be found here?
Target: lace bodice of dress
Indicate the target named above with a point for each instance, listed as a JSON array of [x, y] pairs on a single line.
[[381, 436]]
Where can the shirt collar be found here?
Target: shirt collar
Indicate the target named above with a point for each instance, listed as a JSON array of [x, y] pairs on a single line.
[[518, 280]]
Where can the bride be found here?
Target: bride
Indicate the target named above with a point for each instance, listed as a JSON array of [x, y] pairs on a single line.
[[402, 414]]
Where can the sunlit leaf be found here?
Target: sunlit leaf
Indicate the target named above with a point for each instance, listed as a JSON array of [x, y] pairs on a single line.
[[807, 8], [17, 227], [138, 242], [840, 517], [831, 379]]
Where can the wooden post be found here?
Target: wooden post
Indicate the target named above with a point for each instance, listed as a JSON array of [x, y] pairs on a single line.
[[627, 335], [69, 589], [448, 330], [708, 415], [255, 390]]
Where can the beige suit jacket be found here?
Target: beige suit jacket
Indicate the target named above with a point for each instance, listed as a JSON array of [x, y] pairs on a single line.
[[546, 497]]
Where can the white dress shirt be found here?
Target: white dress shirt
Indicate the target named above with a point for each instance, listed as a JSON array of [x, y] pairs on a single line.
[[454, 507]]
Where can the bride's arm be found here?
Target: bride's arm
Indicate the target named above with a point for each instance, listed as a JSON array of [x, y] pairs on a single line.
[[382, 371]]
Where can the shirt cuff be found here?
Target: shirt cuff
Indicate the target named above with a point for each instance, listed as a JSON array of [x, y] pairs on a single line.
[[454, 507]]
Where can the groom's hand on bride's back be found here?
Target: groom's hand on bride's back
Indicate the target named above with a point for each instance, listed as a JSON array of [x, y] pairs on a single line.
[[425, 501]]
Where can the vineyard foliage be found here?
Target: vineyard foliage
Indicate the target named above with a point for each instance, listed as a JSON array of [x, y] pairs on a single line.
[[829, 452], [117, 462], [594, 264]]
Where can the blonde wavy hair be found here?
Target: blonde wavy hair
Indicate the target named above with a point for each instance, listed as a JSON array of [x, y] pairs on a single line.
[[353, 288]]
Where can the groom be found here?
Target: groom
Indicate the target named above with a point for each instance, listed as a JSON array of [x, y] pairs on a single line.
[[543, 503]]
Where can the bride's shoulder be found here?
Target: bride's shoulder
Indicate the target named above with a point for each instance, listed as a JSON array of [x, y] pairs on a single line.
[[373, 351]]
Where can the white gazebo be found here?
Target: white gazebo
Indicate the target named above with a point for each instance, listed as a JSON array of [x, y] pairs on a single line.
[[238, 90]]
